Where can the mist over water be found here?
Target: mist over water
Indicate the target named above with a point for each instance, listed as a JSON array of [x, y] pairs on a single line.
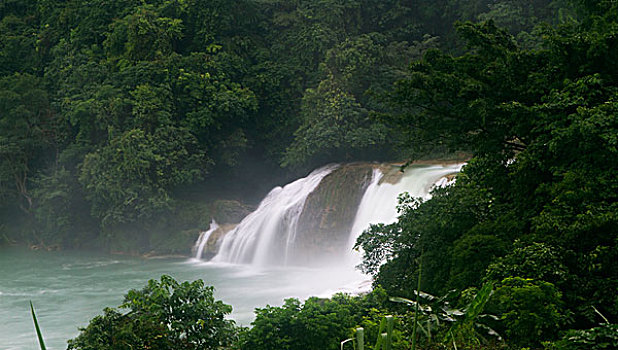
[[70, 288]]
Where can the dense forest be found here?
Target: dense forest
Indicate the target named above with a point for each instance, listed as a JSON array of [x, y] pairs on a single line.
[[122, 120], [113, 114]]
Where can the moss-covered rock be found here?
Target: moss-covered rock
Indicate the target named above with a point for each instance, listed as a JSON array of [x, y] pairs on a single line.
[[175, 233], [392, 173], [226, 211], [214, 241], [329, 211]]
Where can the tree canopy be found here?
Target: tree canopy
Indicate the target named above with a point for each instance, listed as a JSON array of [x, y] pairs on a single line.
[[165, 314], [128, 105], [113, 114], [534, 210]]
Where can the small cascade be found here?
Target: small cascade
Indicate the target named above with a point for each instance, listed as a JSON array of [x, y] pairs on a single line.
[[265, 237], [203, 239], [379, 203]]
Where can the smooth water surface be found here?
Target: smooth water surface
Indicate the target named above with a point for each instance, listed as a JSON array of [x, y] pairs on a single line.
[[69, 288]]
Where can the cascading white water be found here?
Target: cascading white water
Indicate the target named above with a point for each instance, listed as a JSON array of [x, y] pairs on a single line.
[[266, 236], [203, 239], [444, 182], [379, 203]]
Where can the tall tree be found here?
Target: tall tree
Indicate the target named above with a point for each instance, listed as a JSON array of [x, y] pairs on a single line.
[[26, 132]]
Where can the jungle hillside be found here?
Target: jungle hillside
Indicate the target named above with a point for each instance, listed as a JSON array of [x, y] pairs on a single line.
[[124, 123]]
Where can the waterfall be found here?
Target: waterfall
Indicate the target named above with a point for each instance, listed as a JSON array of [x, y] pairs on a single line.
[[379, 203], [203, 239], [271, 234], [266, 236]]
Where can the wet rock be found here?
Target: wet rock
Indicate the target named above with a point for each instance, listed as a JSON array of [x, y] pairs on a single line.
[[226, 211], [392, 173], [215, 239], [329, 211]]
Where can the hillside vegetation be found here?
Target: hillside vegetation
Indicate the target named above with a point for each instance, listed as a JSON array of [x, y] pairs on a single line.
[[119, 118], [113, 114]]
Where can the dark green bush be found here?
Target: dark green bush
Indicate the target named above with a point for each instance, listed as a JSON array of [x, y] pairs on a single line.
[[164, 315]]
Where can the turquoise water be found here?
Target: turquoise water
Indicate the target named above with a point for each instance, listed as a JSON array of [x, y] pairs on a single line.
[[69, 288]]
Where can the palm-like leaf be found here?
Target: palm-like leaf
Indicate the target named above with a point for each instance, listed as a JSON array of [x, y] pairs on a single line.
[[36, 327]]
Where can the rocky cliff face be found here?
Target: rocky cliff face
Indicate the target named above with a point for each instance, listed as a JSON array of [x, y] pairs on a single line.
[[229, 211], [329, 211], [392, 173]]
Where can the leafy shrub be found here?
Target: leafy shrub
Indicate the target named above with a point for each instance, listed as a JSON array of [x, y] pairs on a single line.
[[164, 315], [530, 310], [604, 336], [316, 324]]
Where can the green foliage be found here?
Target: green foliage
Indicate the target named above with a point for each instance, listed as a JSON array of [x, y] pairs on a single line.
[[60, 210], [537, 261], [26, 129], [529, 310], [520, 18], [440, 322], [314, 324], [131, 178], [541, 125], [334, 126], [604, 336], [164, 315], [144, 35], [18, 45], [470, 256], [37, 329], [338, 118], [469, 329]]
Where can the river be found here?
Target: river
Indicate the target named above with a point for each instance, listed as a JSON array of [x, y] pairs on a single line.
[[69, 288]]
